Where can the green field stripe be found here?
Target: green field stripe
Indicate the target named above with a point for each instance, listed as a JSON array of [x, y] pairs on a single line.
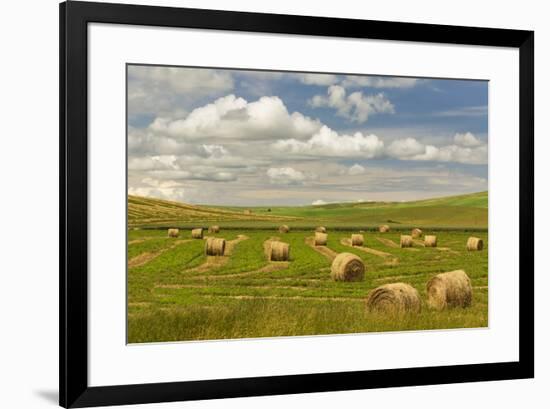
[[455, 212], [149, 246]]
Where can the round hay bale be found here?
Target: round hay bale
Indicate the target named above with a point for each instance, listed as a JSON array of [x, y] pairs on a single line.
[[357, 240], [452, 289], [279, 251], [474, 244], [406, 241], [384, 228], [321, 229], [430, 241], [321, 239], [214, 229], [215, 246], [173, 232], [284, 229], [394, 298], [347, 267], [248, 211], [416, 233], [196, 233]]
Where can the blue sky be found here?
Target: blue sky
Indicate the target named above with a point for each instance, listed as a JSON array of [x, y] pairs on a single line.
[[271, 138]]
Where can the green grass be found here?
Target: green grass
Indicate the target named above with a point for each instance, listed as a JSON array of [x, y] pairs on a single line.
[[173, 298], [465, 211]]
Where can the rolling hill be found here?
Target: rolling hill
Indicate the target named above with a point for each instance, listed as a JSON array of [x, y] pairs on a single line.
[[463, 211]]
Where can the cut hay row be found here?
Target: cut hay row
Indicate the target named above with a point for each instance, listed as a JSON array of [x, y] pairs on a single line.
[[278, 297], [136, 241], [297, 288], [146, 257], [325, 251], [231, 244], [395, 298], [347, 242], [419, 243], [268, 268], [347, 267], [217, 252], [388, 242], [452, 289]]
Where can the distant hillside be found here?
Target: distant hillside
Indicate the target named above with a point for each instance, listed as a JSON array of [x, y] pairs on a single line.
[[145, 211], [464, 211]]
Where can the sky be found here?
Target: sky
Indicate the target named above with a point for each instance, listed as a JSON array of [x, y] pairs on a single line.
[[255, 138]]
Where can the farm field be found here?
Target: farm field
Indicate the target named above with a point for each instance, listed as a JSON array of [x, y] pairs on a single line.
[[454, 212], [177, 293]]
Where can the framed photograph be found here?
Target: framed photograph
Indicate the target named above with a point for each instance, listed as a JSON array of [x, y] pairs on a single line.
[[256, 204]]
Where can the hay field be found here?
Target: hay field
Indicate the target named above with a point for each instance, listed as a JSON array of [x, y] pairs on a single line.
[[177, 293]]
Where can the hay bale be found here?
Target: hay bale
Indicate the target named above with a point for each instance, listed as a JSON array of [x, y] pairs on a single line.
[[321, 229], [384, 228], [394, 298], [416, 233], [173, 232], [284, 229], [430, 241], [357, 240], [215, 246], [406, 241], [347, 267], [248, 211], [196, 233], [452, 289], [474, 244], [214, 229], [321, 239], [279, 251]]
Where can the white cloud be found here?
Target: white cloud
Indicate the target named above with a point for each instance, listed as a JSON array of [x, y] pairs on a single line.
[[466, 139], [196, 80], [164, 89], [355, 106], [405, 148], [230, 117], [356, 170], [288, 176], [318, 79], [329, 143], [205, 173], [411, 149], [149, 187], [318, 202], [144, 163], [453, 153], [378, 82]]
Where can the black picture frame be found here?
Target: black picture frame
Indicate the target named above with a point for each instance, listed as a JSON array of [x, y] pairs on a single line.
[[73, 349]]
